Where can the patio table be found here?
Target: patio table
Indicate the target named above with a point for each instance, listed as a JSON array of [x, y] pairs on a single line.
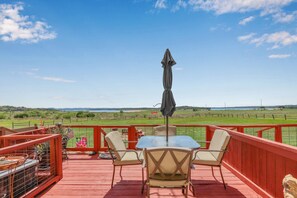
[[173, 141]]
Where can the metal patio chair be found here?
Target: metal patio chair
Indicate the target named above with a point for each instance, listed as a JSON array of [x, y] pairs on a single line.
[[123, 157], [168, 168], [161, 130], [214, 155]]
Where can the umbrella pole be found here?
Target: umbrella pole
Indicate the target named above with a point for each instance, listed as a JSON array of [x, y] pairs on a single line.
[[167, 129]]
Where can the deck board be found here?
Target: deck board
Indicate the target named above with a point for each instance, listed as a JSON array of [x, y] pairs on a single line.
[[88, 176]]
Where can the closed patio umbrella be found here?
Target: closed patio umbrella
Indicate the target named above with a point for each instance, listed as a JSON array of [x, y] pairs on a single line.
[[168, 103]]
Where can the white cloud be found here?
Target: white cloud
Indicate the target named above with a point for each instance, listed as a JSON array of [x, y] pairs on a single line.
[[220, 27], [34, 73], [282, 38], [279, 56], [29, 73], [281, 17], [273, 8], [160, 4], [229, 6], [179, 4], [246, 20], [35, 69], [178, 68], [55, 79], [14, 26], [246, 37]]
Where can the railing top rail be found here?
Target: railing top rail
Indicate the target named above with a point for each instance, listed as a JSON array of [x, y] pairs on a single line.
[[15, 147], [183, 125], [133, 125], [19, 137], [7, 129]]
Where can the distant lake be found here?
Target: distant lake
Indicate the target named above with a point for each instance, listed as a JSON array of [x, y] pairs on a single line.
[[104, 110], [99, 110], [238, 108], [232, 108]]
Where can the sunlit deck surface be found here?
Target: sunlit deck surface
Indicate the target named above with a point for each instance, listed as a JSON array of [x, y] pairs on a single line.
[[88, 176]]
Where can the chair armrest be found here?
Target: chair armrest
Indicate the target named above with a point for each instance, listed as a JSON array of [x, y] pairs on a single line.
[[203, 141], [129, 141], [207, 150], [126, 151], [204, 150], [134, 151]]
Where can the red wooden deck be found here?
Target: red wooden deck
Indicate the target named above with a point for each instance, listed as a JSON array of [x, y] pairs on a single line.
[[88, 176]]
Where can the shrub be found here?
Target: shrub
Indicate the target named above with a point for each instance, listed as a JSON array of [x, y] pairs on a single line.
[[90, 115], [80, 114], [35, 113], [21, 115], [67, 116], [2, 117]]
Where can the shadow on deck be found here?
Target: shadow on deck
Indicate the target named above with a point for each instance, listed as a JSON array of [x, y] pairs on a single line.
[[88, 176]]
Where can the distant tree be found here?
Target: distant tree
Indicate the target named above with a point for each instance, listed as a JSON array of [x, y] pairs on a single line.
[[35, 113], [67, 116], [90, 115], [21, 115], [80, 114]]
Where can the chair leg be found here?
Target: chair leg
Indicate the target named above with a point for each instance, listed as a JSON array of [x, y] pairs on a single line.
[[148, 191], [187, 191], [222, 177], [121, 173], [212, 172], [192, 186], [112, 176], [142, 181]]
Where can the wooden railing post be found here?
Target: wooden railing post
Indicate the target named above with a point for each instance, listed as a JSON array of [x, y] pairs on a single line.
[[240, 129], [132, 137], [260, 133], [56, 155], [97, 138], [208, 134], [278, 134]]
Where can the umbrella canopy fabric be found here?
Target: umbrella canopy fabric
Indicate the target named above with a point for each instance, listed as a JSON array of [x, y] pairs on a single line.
[[168, 103]]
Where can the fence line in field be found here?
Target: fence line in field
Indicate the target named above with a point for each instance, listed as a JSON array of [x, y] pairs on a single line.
[[19, 124]]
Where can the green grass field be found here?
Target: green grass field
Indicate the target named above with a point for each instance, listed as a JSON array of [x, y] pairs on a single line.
[[225, 117], [179, 117]]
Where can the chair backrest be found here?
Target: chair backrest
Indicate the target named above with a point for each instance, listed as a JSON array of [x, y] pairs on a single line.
[[219, 141], [115, 143], [290, 186], [161, 130], [168, 164]]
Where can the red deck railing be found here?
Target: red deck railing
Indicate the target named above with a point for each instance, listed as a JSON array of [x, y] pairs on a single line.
[[45, 173], [255, 153], [260, 163]]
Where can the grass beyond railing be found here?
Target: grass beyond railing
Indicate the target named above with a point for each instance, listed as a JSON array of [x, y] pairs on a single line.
[[95, 134]]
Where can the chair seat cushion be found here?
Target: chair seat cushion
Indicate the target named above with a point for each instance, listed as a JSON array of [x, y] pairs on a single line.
[[205, 158], [168, 184], [130, 158]]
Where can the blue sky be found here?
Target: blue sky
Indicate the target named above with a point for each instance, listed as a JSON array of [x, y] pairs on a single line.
[[107, 53]]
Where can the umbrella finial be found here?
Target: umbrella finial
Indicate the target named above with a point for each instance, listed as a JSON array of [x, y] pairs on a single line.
[[168, 59]]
